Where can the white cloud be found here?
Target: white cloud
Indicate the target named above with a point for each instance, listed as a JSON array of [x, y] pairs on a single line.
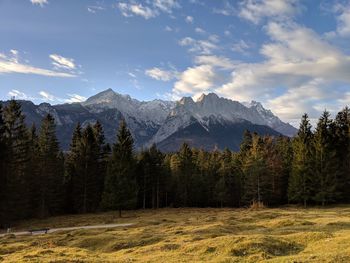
[[168, 29], [215, 61], [75, 98], [298, 61], [189, 19], [62, 63], [256, 10], [160, 74], [39, 2], [166, 5], [18, 95], [47, 96], [196, 80], [198, 46], [241, 47], [137, 9], [227, 9], [95, 8], [132, 75], [227, 33], [199, 30], [11, 64], [342, 12], [148, 9]]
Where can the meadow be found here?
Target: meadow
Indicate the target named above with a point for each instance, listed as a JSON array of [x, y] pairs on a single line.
[[288, 234]]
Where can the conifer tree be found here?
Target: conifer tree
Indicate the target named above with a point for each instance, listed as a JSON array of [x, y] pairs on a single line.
[[185, 170], [17, 137], [3, 167], [301, 186], [103, 155], [284, 152], [342, 148], [120, 191], [50, 175], [226, 189], [34, 184], [257, 185], [87, 186], [72, 165], [326, 166]]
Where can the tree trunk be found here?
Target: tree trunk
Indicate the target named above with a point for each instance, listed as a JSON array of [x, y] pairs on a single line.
[[157, 201], [144, 193], [120, 212]]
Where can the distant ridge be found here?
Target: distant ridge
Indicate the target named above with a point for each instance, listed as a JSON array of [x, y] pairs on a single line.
[[208, 122]]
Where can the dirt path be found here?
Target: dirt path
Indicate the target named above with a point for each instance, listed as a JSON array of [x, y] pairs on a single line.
[[67, 229]]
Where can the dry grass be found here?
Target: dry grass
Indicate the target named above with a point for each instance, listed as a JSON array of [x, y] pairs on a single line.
[[191, 235]]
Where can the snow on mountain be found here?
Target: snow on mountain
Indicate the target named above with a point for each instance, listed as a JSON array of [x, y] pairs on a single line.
[[162, 122], [154, 111], [272, 120], [211, 105]]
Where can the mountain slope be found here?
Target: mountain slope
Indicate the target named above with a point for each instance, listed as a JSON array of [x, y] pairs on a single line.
[[209, 122]]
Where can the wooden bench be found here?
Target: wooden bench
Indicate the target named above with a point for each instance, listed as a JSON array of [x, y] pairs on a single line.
[[33, 231]]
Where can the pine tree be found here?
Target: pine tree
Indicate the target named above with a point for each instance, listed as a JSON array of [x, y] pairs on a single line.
[[34, 184], [72, 165], [342, 147], [275, 171], [103, 155], [185, 170], [326, 165], [17, 204], [257, 186], [85, 168], [300, 188], [284, 151], [88, 171], [50, 176], [120, 190], [3, 167]]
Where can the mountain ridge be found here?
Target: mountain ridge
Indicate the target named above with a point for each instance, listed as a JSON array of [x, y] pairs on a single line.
[[163, 122]]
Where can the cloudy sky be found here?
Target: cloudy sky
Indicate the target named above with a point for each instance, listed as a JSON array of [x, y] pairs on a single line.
[[293, 56]]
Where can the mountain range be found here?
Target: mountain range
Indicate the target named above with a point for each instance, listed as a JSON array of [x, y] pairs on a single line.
[[208, 122]]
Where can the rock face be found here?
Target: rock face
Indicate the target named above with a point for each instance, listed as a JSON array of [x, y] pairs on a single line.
[[207, 123]]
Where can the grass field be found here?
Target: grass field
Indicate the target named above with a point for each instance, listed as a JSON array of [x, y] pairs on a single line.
[[190, 235]]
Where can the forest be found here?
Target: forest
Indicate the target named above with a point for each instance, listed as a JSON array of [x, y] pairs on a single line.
[[38, 180]]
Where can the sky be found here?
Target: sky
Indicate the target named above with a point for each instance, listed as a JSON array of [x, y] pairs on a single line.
[[291, 55]]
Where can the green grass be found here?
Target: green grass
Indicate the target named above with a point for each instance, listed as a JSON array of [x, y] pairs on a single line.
[[190, 235]]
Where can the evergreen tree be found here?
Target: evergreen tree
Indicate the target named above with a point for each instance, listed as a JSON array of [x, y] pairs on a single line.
[[284, 152], [34, 184], [3, 168], [103, 155], [301, 186], [185, 172], [227, 187], [342, 147], [120, 191], [88, 177], [72, 165], [257, 185], [17, 204], [326, 165], [50, 176]]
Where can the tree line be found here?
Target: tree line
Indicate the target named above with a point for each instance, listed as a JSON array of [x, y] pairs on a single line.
[[37, 179]]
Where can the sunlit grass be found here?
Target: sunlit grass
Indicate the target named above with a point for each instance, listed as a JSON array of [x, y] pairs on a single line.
[[191, 235]]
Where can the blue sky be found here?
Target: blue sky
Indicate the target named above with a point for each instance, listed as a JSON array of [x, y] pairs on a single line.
[[293, 56]]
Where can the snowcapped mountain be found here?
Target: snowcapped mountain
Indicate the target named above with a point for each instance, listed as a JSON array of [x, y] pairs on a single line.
[[223, 110], [209, 122], [154, 111]]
